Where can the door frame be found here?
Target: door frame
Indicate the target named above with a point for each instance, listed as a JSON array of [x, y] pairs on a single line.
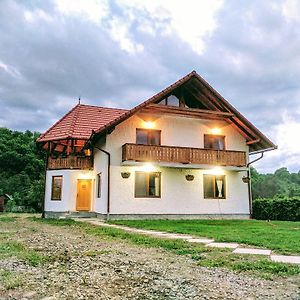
[[77, 194]]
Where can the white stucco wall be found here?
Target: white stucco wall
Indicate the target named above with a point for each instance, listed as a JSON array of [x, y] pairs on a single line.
[[69, 189], [178, 196]]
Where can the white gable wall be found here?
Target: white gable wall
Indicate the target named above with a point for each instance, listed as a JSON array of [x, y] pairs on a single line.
[[178, 196]]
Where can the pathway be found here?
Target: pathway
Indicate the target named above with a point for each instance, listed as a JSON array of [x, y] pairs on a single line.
[[236, 248]]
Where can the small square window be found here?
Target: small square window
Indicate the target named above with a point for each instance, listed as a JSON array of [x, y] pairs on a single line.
[[215, 142], [56, 187], [148, 137], [214, 186]]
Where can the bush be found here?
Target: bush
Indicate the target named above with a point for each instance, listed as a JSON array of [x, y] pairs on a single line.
[[285, 209]]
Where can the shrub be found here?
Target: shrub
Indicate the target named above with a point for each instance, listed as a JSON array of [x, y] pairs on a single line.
[[285, 209]]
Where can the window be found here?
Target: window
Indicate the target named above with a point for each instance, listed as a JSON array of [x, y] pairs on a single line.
[[216, 142], [99, 185], [147, 184], [214, 186], [148, 137], [171, 100], [56, 187]]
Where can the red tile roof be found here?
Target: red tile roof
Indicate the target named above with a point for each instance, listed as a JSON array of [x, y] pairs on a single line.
[[80, 121]]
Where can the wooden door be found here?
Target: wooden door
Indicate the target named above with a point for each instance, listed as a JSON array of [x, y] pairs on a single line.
[[84, 187]]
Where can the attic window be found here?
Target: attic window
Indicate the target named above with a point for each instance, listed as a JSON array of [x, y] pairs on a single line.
[[171, 101]]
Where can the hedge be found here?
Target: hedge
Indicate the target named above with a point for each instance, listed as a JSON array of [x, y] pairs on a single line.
[[277, 209]]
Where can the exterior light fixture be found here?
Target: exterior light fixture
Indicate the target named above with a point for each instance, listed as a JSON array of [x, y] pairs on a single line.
[[215, 171], [216, 130], [149, 124], [125, 174], [88, 152], [148, 167], [85, 176]]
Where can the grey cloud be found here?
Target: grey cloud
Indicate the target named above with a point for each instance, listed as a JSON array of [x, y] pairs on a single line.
[[252, 59]]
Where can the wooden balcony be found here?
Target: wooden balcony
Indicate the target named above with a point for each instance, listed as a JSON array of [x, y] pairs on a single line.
[[70, 162], [184, 155]]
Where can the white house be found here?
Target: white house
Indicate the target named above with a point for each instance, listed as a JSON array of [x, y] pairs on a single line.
[[183, 153]]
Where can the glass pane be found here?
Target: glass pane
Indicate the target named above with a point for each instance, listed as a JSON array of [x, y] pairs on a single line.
[[99, 185], [56, 187], [154, 137], [142, 136], [209, 184], [173, 101], [214, 142], [154, 184], [220, 187], [140, 184]]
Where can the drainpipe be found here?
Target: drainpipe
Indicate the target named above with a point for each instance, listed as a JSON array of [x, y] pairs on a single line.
[[108, 181], [249, 181], [261, 152]]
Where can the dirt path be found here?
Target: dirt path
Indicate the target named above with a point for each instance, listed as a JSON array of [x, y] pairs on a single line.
[[86, 267]]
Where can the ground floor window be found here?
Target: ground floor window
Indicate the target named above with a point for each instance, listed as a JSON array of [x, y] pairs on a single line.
[[214, 186], [99, 185], [147, 184], [56, 187]]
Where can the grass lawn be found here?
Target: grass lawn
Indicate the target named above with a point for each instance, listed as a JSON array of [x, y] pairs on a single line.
[[281, 236], [204, 256], [10, 246]]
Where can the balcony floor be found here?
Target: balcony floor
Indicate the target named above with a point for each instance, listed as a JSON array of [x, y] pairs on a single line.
[[183, 166]]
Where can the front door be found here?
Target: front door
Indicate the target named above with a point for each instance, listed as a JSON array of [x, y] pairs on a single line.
[[84, 187]]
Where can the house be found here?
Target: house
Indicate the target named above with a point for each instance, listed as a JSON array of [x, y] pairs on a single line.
[[3, 200], [183, 153]]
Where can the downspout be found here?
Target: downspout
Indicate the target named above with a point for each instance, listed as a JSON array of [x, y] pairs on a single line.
[[249, 174], [249, 181], [108, 181]]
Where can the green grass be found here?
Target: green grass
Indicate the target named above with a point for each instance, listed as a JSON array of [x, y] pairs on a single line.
[[281, 236], [10, 280], [17, 249], [204, 256]]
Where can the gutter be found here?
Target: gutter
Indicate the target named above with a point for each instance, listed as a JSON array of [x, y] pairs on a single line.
[[261, 152], [108, 181]]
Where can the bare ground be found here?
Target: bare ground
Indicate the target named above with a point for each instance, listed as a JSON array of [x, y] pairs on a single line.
[[87, 267]]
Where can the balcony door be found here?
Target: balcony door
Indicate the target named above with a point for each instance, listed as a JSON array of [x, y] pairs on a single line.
[[84, 188]]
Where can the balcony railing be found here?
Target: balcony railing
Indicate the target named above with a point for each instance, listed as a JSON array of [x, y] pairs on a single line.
[[70, 162], [183, 155]]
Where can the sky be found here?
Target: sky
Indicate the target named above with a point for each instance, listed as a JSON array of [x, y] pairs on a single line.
[[118, 53]]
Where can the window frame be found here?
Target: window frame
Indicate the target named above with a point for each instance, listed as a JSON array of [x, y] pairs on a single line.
[[61, 187], [99, 185], [214, 186], [218, 136], [147, 184], [149, 132]]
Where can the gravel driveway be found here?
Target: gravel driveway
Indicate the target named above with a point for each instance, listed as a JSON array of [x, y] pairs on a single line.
[[87, 267]]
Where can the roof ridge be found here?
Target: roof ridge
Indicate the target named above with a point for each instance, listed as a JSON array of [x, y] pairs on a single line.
[[57, 122], [103, 107]]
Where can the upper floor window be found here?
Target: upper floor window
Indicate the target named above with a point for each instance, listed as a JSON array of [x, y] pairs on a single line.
[[214, 186], [216, 142], [148, 137], [56, 187], [172, 100]]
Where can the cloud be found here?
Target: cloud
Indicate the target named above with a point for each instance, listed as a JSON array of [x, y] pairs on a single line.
[[121, 52]]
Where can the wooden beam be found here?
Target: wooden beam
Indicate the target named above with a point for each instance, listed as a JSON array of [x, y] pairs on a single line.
[[186, 111], [253, 142]]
